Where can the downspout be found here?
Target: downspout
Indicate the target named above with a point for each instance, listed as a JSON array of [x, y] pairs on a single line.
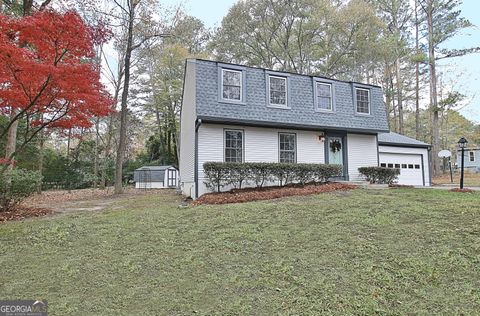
[[197, 126], [430, 158]]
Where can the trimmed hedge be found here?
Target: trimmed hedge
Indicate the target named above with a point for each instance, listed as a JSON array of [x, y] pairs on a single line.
[[380, 175], [221, 174]]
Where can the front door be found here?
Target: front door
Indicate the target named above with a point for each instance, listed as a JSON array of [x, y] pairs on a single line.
[[335, 151]]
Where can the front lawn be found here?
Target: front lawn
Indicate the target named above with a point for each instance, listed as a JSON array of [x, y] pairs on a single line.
[[471, 179], [392, 251]]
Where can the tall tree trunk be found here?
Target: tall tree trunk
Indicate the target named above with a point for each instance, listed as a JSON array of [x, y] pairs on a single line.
[[399, 95], [417, 76], [122, 142], [433, 89], [108, 146], [95, 158], [11, 145], [41, 149]]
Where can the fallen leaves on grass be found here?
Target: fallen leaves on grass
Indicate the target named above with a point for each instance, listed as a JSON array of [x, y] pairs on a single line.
[[255, 194], [23, 212], [464, 190]]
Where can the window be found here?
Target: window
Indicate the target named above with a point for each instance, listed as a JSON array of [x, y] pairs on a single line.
[[287, 147], [404, 166], [410, 166], [397, 165], [324, 96], [278, 90], [417, 166], [471, 155], [363, 100], [390, 165], [383, 165], [233, 146], [231, 84]]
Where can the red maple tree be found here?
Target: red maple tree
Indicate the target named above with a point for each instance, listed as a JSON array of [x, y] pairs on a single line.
[[47, 71]]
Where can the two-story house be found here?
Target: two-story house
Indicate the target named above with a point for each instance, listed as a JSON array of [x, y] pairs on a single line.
[[235, 113]]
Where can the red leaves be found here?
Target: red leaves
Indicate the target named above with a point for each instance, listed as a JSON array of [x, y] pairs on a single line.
[[47, 66]]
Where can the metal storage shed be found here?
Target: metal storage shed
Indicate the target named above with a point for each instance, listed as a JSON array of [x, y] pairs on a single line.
[[155, 177]]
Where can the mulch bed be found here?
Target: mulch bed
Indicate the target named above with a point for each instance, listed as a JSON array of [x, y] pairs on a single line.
[[464, 190], [395, 185], [267, 193], [23, 212]]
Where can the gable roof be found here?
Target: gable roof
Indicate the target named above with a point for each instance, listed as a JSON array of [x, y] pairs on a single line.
[[392, 138], [155, 168]]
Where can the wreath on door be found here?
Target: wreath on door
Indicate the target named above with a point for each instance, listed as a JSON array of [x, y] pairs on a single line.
[[335, 145]]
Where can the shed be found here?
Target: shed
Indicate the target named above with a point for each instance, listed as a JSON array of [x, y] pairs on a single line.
[[409, 155], [155, 177]]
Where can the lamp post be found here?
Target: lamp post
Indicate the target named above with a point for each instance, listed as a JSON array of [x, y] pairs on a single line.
[[462, 143]]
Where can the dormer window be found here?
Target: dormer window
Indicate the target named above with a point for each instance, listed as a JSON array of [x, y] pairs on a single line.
[[362, 98], [278, 91], [232, 85], [324, 96]]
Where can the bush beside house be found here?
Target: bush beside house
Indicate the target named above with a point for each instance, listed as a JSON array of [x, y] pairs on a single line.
[[221, 174], [380, 175]]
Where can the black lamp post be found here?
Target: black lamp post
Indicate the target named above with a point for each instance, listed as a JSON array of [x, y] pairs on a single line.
[[462, 143]]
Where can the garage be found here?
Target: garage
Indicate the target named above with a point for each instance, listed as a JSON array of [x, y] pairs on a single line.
[[409, 155]]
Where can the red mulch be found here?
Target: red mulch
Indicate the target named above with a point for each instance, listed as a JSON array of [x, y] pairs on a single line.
[[23, 212], [267, 193], [395, 185], [464, 190]]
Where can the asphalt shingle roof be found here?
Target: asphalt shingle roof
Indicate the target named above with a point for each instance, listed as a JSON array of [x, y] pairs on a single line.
[[397, 139]]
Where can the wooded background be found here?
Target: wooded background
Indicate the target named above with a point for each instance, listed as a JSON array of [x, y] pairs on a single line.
[[392, 43]]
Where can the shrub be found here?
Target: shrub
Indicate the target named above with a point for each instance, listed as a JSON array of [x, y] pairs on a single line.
[[261, 173], [217, 175], [379, 174], [220, 174], [16, 185]]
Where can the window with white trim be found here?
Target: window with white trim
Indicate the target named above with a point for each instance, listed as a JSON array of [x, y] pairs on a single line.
[[471, 156], [278, 90], [287, 147], [231, 85], [324, 96], [362, 97], [233, 146]]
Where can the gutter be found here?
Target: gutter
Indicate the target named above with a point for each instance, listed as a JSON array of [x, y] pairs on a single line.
[[197, 126]]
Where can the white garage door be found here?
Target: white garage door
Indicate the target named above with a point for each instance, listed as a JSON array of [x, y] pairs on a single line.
[[410, 165]]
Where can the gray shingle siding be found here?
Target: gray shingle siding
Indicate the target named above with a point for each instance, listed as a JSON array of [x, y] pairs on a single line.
[[300, 102]]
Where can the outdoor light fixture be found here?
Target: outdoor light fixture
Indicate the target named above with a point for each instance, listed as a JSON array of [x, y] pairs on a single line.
[[321, 137], [462, 143]]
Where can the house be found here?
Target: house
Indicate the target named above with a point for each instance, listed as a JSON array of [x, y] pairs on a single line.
[[471, 159], [155, 177], [236, 113]]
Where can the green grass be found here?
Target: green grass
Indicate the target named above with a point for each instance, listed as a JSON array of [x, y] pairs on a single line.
[[388, 252]]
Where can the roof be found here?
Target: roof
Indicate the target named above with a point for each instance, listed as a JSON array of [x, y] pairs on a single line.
[[392, 138], [300, 112], [156, 168]]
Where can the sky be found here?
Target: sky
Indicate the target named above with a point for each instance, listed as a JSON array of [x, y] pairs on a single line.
[[460, 73]]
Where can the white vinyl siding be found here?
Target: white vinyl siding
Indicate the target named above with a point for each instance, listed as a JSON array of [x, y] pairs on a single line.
[[277, 87], [362, 100], [362, 152], [187, 131], [324, 96], [232, 85], [260, 145]]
